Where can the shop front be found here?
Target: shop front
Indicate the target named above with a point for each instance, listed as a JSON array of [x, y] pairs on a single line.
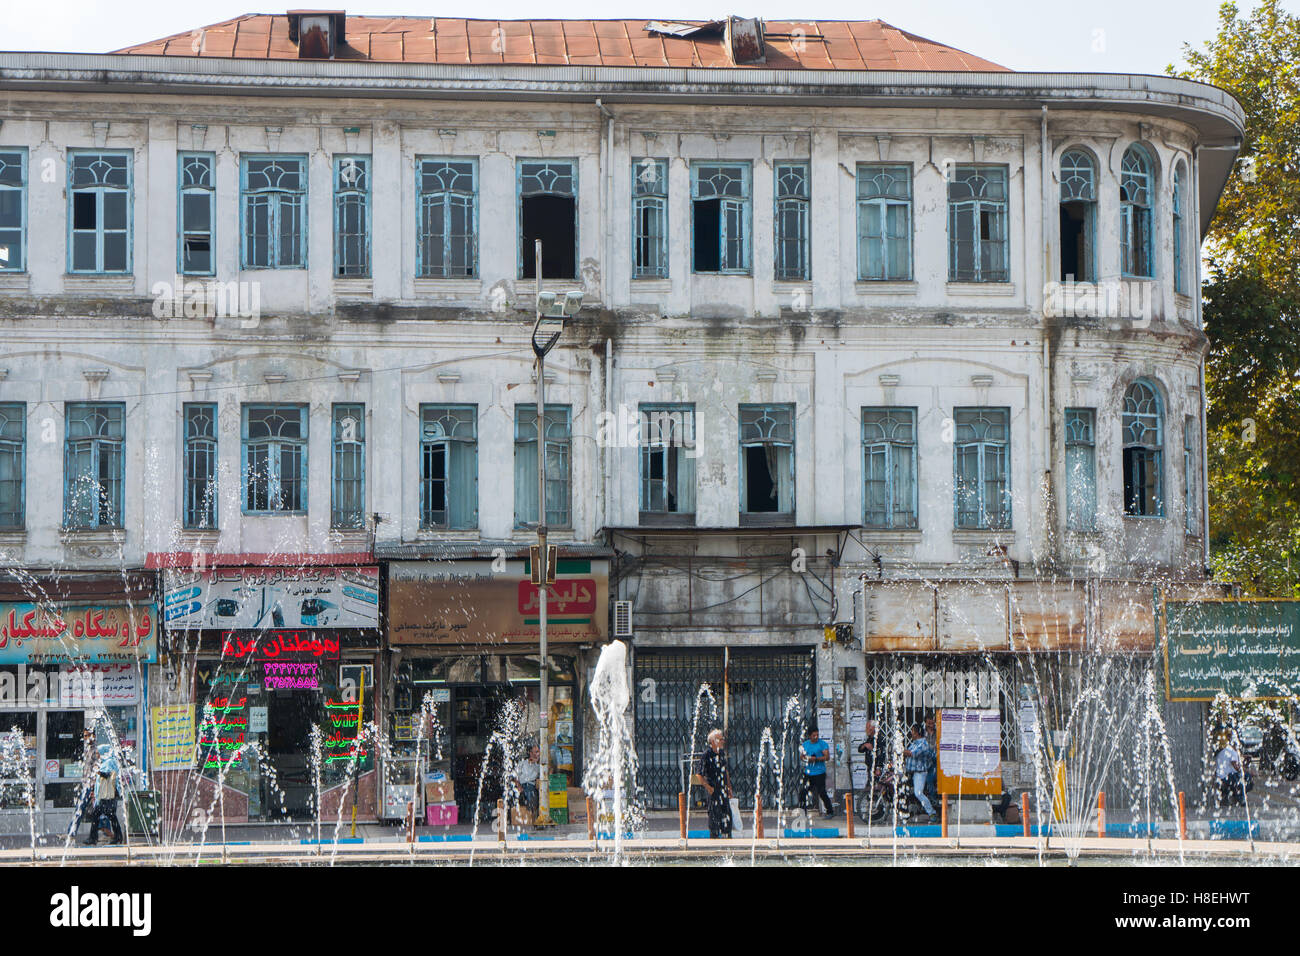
[[274, 706], [464, 645], [67, 667]]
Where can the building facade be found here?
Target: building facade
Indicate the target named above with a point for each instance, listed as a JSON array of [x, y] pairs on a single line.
[[873, 333]]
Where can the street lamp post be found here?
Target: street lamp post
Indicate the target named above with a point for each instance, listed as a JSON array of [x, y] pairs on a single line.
[[551, 316]]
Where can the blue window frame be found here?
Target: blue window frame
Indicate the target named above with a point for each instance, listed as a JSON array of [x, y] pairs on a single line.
[[274, 469], [1190, 458], [792, 219], [884, 222], [273, 210], [1179, 227], [196, 211], [559, 439], [13, 210], [1078, 219], [1081, 469], [94, 464], [449, 466], [978, 248], [447, 218], [99, 211], [200, 458], [767, 460], [649, 218], [351, 217], [667, 438], [13, 464], [1143, 434], [348, 488], [548, 210], [1136, 192], [889, 468], [721, 213], [982, 467]]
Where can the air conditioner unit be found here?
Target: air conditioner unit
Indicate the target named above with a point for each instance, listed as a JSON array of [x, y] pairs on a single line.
[[622, 618]]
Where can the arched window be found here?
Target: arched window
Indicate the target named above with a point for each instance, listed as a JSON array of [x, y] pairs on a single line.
[[1179, 207], [1078, 215], [1135, 202], [1143, 436]]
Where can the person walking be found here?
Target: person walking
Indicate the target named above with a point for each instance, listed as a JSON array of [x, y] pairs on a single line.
[[106, 794], [920, 760], [815, 754], [717, 784]]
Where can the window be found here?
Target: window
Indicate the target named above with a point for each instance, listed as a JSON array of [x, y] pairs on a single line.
[[200, 465], [1080, 469], [650, 219], [1078, 206], [1135, 213], [982, 448], [1190, 488], [884, 222], [889, 467], [977, 224], [720, 220], [1180, 185], [667, 442], [13, 210], [198, 195], [792, 219], [449, 466], [351, 217], [100, 212], [348, 495], [13, 442], [1143, 438], [548, 210], [767, 459], [274, 209], [447, 245], [94, 465], [275, 458], [558, 438]]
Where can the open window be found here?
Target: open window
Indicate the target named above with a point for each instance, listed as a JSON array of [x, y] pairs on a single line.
[[548, 210], [767, 461], [1143, 435], [720, 217], [1078, 215]]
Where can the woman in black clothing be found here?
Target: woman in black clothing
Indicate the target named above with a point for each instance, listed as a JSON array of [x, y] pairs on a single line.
[[717, 783]]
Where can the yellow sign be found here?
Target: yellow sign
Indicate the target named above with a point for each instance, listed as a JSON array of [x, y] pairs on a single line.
[[173, 737]]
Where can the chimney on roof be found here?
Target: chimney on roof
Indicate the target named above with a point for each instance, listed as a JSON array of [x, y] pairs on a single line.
[[745, 40], [317, 33]]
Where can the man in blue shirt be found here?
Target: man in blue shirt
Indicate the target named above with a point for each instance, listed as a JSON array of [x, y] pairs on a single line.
[[920, 760], [815, 754]]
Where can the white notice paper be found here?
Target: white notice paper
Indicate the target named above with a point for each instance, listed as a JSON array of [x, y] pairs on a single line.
[[970, 743]]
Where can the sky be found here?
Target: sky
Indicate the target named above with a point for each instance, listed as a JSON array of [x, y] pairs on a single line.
[[1096, 36]]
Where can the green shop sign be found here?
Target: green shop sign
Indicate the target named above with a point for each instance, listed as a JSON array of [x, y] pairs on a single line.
[[1249, 650]]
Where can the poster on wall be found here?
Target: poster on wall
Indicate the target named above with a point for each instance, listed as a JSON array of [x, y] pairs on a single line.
[[99, 685], [251, 598], [48, 634], [172, 737], [970, 751]]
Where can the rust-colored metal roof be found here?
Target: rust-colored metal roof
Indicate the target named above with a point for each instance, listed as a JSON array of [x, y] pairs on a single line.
[[790, 45]]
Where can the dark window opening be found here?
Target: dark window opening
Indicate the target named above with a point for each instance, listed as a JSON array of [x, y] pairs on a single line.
[[1141, 486], [760, 483], [1075, 247], [85, 213], [552, 219], [708, 243]]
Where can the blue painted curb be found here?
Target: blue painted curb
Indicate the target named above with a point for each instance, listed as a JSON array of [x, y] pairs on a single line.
[[444, 838], [1233, 829], [530, 836], [328, 842], [814, 833]]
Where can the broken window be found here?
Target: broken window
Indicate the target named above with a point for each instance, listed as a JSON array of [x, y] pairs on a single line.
[[94, 464], [200, 462], [982, 449], [197, 213], [351, 217], [792, 218], [1143, 438], [1080, 469], [977, 224], [667, 459], [1135, 194], [558, 452], [720, 199], [13, 210], [275, 458], [884, 222], [548, 210], [447, 245], [1180, 271], [649, 219], [1078, 207], [449, 466], [348, 494], [889, 467], [1190, 487], [274, 209], [100, 213], [13, 447], [767, 459]]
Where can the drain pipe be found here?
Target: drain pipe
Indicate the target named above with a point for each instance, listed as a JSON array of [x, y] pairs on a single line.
[[607, 205], [1049, 496], [1194, 188]]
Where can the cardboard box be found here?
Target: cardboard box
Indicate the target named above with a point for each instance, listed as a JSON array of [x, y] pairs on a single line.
[[521, 817], [577, 805], [442, 814], [442, 791]]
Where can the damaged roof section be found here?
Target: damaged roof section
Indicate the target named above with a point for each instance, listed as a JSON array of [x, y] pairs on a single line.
[[735, 42]]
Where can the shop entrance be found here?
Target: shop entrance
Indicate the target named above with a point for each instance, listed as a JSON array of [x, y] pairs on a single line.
[[476, 713], [289, 717]]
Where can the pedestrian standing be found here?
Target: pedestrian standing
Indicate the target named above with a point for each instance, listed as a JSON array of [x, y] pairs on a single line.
[[920, 761], [717, 784], [106, 794], [815, 754]]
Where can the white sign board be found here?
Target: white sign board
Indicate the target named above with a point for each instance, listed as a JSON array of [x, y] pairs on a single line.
[[99, 685], [970, 743], [243, 598]]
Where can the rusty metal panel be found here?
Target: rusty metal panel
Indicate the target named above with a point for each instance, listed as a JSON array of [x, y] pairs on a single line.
[[973, 617], [1127, 617], [898, 617], [1049, 616]]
